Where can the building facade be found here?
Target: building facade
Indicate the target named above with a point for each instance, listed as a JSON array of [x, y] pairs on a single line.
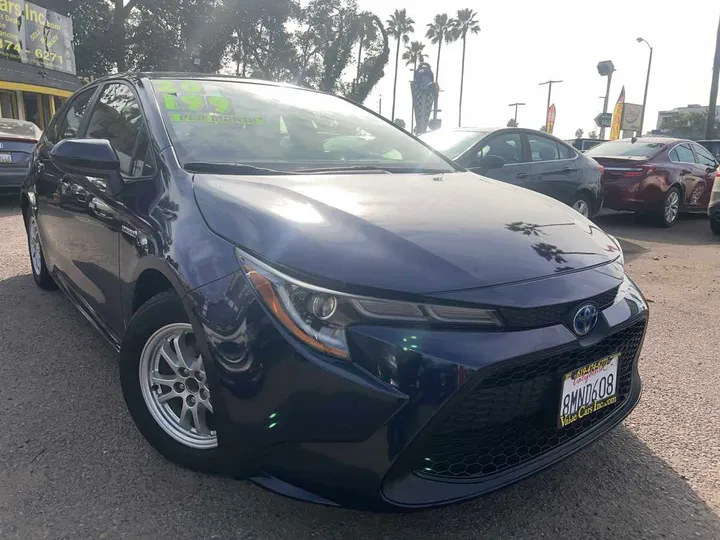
[[664, 116], [37, 64]]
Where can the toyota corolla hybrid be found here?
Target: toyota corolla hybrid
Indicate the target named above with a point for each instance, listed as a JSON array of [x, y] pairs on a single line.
[[303, 294]]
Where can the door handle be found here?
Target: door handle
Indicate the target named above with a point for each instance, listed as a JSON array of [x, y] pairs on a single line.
[[685, 171], [522, 175], [567, 169]]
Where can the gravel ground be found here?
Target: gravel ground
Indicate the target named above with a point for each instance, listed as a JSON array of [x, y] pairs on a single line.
[[73, 466]]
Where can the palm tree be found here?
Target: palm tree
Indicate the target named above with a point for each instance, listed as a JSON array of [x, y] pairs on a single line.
[[464, 23], [441, 29], [399, 26], [368, 34], [413, 55]]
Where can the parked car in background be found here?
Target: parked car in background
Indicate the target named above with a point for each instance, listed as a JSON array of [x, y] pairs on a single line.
[[714, 206], [17, 140], [525, 158], [656, 175], [349, 321], [713, 146], [583, 145]]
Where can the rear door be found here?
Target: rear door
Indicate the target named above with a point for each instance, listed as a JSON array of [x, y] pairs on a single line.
[[709, 165], [553, 168], [691, 175], [507, 145]]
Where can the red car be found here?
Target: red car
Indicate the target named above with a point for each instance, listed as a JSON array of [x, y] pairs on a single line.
[[657, 176]]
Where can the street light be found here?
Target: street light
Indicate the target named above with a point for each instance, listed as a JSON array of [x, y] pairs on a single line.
[[549, 83], [647, 83], [606, 69]]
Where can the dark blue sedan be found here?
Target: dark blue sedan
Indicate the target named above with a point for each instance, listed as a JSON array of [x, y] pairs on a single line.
[[304, 295]]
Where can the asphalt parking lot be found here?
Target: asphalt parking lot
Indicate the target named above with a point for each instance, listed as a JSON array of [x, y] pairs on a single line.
[[72, 464]]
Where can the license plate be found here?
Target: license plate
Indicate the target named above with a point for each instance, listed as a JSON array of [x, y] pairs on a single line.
[[5, 157], [588, 389]]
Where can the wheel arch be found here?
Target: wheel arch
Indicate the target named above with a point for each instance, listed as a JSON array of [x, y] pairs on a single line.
[[151, 277]]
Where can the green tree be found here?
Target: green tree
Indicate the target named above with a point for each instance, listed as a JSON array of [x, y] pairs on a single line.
[[368, 33], [593, 134], [399, 25], [512, 123], [465, 23], [441, 29], [687, 126], [414, 54]]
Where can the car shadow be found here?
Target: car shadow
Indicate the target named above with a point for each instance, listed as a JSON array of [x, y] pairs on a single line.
[[73, 461], [689, 230]]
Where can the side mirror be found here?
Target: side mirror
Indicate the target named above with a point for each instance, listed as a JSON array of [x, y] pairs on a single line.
[[492, 162], [92, 157]]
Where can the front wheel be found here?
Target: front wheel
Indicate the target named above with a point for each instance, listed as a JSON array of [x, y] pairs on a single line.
[[670, 209], [165, 385]]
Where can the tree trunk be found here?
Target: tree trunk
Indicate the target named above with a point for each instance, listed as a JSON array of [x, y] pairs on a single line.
[[710, 129], [412, 105], [397, 59], [119, 30], [357, 76], [437, 80], [462, 82]]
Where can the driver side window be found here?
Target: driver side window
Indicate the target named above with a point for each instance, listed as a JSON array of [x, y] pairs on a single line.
[[508, 146]]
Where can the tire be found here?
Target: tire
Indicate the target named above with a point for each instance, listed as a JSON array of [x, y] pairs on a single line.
[[665, 217], [40, 272], [715, 225], [583, 205], [152, 328]]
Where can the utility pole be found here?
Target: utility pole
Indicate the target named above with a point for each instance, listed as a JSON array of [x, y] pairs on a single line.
[[647, 83], [710, 130], [549, 83], [516, 105], [380, 105]]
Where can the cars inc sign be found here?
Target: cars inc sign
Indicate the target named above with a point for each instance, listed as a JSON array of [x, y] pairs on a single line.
[[34, 35]]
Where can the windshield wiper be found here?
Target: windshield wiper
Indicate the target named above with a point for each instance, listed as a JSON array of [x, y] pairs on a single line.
[[372, 168], [231, 168]]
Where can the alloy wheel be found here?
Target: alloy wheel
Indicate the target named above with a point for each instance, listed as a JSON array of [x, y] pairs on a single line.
[[35, 249], [174, 386], [582, 207], [672, 206]]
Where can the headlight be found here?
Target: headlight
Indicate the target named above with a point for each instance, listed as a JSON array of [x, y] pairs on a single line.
[[621, 256], [318, 317], [715, 193]]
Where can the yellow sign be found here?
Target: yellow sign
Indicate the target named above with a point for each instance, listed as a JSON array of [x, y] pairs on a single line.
[[617, 116]]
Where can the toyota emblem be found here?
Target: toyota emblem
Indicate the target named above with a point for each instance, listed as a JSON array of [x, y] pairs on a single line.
[[585, 319]]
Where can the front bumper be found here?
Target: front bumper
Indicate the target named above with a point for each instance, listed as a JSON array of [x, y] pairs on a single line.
[[357, 434]]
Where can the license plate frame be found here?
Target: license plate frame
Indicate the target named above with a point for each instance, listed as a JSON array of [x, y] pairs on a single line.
[[5, 158], [588, 389]]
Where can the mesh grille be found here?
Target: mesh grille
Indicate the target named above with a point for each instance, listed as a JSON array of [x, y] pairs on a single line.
[[549, 315], [511, 416]]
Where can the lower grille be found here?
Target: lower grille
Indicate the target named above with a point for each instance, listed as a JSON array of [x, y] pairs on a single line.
[[510, 417]]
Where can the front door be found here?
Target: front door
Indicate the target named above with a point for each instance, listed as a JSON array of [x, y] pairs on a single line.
[[691, 174], [708, 167], [553, 171], [97, 218], [507, 145]]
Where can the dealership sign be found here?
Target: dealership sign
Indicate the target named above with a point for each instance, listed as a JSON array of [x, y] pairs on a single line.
[[34, 35], [631, 120]]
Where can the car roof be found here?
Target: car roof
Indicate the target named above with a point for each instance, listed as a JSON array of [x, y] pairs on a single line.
[[11, 128]]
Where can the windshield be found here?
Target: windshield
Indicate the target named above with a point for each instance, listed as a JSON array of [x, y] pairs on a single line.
[[282, 128], [625, 149], [452, 143]]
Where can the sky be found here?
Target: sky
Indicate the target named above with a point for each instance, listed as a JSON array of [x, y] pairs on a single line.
[[525, 42]]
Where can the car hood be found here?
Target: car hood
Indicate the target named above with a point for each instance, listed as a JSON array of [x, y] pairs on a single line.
[[402, 232]]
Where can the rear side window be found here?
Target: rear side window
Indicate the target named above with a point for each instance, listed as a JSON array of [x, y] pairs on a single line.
[[67, 126], [684, 154], [543, 149], [626, 148], [703, 157], [117, 118], [565, 151]]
